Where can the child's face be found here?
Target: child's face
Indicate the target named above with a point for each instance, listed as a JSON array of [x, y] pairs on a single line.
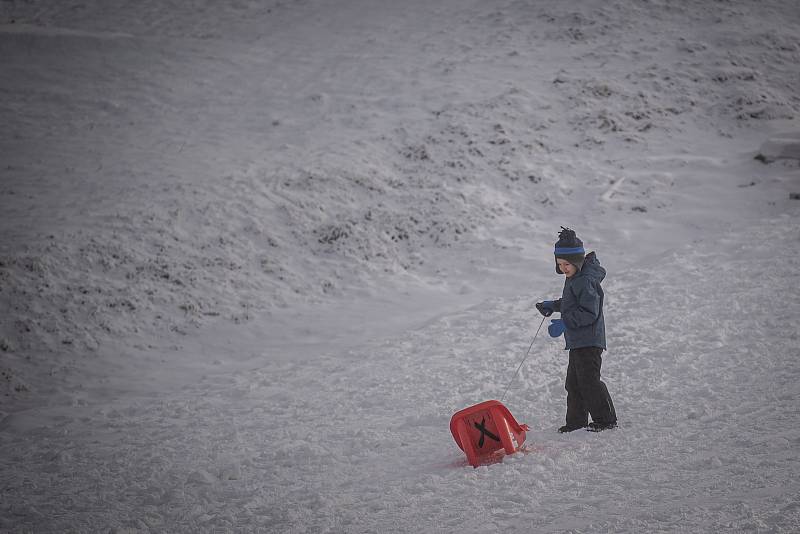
[[567, 268]]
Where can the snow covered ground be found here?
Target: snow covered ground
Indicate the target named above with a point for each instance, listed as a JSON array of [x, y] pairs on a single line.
[[254, 255]]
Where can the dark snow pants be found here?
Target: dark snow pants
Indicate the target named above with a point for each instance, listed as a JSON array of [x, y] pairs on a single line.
[[586, 393]]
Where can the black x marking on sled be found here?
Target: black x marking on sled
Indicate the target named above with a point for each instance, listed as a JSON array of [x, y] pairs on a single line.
[[484, 432]]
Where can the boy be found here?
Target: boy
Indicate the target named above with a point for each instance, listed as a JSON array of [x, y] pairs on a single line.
[[581, 308]]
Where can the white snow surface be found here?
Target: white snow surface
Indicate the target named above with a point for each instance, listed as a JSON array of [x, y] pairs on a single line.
[[254, 255]]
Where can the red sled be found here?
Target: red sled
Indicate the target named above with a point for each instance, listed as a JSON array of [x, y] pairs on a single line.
[[483, 429]]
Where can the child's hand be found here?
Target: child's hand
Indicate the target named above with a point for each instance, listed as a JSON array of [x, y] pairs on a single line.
[[546, 307], [556, 328]]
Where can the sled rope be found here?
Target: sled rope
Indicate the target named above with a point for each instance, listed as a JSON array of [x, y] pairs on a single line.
[[523, 360]]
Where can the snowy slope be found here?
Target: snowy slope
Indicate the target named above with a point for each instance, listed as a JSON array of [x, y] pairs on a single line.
[[254, 255], [704, 377]]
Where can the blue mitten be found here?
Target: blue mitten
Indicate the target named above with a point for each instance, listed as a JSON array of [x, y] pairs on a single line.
[[546, 308], [556, 328]]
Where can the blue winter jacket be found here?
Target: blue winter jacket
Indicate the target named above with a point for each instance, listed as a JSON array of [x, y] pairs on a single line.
[[581, 306]]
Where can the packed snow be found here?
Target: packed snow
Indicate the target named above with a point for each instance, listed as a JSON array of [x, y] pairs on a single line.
[[254, 255]]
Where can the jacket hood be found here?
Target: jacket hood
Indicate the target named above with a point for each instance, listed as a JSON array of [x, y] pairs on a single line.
[[592, 268]]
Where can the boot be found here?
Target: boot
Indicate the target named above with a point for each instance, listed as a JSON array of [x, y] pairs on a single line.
[[599, 427], [570, 428]]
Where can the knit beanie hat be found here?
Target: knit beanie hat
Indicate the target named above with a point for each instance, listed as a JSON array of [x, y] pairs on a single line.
[[570, 248]]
